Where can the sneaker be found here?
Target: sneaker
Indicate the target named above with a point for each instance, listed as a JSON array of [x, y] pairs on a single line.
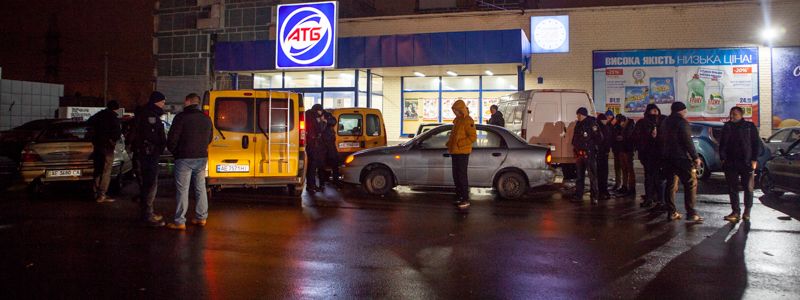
[[199, 222], [746, 216], [176, 226], [154, 223], [695, 218], [674, 216], [463, 205], [104, 199], [733, 217]]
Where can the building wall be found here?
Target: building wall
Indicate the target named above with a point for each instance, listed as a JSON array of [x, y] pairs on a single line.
[[704, 25], [23, 101]]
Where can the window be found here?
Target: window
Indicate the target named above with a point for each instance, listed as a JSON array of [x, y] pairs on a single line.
[[421, 83], [488, 139], [362, 81], [350, 125], [66, 132], [436, 141], [340, 79], [373, 125], [377, 102], [377, 84], [460, 83], [338, 99], [268, 80], [779, 137], [234, 114], [275, 121], [794, 136], [507, 82], [697, 130], [303, 79]]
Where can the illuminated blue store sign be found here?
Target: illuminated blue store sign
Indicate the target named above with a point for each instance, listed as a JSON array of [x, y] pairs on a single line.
[[306, 36]]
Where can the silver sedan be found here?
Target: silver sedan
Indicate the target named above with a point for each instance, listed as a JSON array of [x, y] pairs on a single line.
[[500, 160]]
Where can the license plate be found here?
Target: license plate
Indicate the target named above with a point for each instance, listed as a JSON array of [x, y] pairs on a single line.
[[64, 173], [231, 168], [558, 179], [349, 145]]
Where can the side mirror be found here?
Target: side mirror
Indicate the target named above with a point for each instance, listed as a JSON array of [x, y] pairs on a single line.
[[411, 136]]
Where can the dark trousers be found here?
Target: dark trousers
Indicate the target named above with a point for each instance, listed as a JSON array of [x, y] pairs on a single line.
[[148, 172], [584, 164], [460, 175], [628, 174], [617, 171], [653, 181], [331, 162], [739, 173], [602, 173], [686, 175], [103, 164], [316, 162]]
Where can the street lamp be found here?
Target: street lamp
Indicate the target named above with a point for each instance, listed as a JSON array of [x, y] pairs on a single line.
[[770, 34]]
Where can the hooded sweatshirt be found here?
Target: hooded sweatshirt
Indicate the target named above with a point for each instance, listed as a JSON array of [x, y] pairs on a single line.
[[646, 144], [463, 134]]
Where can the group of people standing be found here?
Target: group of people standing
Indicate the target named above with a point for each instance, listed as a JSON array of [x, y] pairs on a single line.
[[187, 140], [667, 153], [321, 149]]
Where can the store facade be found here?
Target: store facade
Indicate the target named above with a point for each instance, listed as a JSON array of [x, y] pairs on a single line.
[[413, 67]]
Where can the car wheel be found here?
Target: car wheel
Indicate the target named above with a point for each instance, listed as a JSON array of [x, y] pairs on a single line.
[[378, 181], [768, 185], [35, 189], [511, 185], [703, 172]]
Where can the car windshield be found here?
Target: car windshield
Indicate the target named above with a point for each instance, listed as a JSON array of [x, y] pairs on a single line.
[[65, 132]]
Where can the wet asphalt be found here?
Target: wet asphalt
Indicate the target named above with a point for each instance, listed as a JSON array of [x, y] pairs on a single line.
[[410, 244]]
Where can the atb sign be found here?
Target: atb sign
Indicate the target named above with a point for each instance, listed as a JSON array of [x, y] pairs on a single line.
[[306, 36]]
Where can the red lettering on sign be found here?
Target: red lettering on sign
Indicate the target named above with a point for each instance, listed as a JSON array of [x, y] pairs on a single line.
[[742, 70], [305, 34], [614, 72]]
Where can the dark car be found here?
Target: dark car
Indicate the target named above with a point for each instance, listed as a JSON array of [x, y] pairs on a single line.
[[706, 141], [12, 141], [782, 172], [783, 138]]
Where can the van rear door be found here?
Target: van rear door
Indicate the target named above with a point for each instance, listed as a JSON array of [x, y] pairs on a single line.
[[231, 152], [544, 125], [276, 140]]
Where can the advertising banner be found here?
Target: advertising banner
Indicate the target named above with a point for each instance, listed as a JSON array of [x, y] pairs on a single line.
[[785, 87], [708, 81]]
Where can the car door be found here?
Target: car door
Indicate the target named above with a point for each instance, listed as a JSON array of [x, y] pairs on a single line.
[[488, 154], [777, 140], [428, 163], [231, 153], [785, 168]]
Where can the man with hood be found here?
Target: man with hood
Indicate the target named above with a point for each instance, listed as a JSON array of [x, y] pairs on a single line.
[[459, 145], [602, 156], [106, 132], [646, 137], [738, 150], [497, 117], [680, 162], [315, 147], [624, 147], [331, 155], [148, 140], [586, 141]]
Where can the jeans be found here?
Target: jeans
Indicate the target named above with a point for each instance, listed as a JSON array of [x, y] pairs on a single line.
[[737, 173], [584, 164], [185, 170], [653, 181], [676, 171], [602, 173], [148, 179], [103, 164], [461, 176], [617, 171], [628, 174]]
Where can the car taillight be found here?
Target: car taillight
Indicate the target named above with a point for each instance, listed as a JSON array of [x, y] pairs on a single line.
[[548, 158], [30, 156], [302, 129]]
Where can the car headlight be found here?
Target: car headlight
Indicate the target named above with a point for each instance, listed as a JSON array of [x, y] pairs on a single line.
[[349, 159]]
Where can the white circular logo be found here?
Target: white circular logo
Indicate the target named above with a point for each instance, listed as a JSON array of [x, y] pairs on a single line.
[[550, 34], [305, 35]]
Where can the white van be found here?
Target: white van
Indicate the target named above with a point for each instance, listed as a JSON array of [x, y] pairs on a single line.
[[546, 117]]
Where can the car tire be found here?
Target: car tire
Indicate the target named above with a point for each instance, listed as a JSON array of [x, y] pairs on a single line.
[[35, 189], [768, 185], [511, 185], [703, 173], [378, 181]]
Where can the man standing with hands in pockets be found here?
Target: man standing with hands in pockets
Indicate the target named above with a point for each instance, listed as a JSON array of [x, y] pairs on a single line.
[[459, 146], [738, 149]]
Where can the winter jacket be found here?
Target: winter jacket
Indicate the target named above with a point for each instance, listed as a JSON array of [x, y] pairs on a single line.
[[463, 134], [147, 136], [646, 144], [739, 142], [314, 129], [587, 136], [106, 130], [605, 143], [675, 141], [328, 132], [623, 140], [190, 134], [497, 119]]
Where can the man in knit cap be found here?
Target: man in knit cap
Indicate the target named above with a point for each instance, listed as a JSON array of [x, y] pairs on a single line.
[[148, 140], [681, 162], [586, 141]]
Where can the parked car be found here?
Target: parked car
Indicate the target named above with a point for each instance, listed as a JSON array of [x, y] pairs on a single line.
[[706, 137], [782, 172], [424, 128], [62, 152], [500, 160], [783, 138], [12, 141]]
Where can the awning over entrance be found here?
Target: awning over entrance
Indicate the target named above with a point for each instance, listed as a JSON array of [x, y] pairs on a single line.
[[423, 49]]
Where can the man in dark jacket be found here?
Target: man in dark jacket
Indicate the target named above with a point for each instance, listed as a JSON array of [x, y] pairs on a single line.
[[497, 117], [106, 132], [739, 147], [586, 140], [328, 137], [646, 137], [148, 141], [602, 156], [624, 147], [315, 147], [188, 141], [680, 163]]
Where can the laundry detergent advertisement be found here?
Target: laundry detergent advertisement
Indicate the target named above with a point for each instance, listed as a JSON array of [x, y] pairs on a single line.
[[708, 81], [785, 87]]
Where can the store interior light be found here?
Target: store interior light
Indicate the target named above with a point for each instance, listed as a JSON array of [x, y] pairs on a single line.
[[513, 87], [418, 74], [276, 77], [287, 77], [347, 75], [315, 77], [451, 73], [489, 73]]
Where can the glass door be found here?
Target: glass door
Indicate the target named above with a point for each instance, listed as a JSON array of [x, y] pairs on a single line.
[[309, 99]]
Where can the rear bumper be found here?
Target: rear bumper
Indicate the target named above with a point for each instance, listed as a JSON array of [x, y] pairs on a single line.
[[538, 178], [39, 171], [253, 182]]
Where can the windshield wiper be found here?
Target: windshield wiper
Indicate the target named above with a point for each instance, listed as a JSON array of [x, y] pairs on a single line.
[[220, 131]]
